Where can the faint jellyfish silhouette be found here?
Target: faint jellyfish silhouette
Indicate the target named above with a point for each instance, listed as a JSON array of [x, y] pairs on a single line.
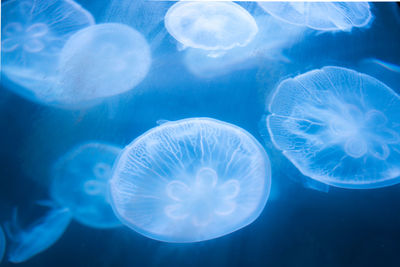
[[42, 234], [80, 180], [338, 126], [210, 25], [33, 34], [191, 180], [271, 40], [321, 16], [101, 61], [2, 244]]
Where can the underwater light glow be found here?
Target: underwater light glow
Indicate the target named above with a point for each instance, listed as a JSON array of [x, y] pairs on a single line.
[[191, 180], [338, 126], [80, 180]]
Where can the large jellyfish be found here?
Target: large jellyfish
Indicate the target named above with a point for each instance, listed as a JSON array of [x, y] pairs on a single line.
[[2, 244], [191, 180], [321, 16], [338, 126], [33, 34], [42, 234], [80, 180], [101, 61], [210, 25]]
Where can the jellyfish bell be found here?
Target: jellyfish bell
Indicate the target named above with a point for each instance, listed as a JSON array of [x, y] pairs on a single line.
[[269, 44], [80, 180], [2, 244], [331, 16], [211, 26], [39, 236], [33, 34], [102, 61], [339, 127], [191, 180]]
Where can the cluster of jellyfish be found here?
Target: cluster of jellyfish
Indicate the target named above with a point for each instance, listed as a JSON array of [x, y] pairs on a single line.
[[194, 179]]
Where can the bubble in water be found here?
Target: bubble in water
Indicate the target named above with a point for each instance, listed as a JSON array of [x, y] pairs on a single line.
[[191, 180], [33, 34], [210, 25], [338, 126], [321, 16], [80, 180]]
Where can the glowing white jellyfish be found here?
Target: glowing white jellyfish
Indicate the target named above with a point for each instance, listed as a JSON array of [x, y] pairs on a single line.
[[102, 61], [210, 25], [328, 16], [2, 244], [338, 126], [191, 180], [271, 40], [42, 234], [80, 181], [33, 33]]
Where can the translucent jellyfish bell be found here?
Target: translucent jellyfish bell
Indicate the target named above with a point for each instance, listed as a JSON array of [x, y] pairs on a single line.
[[210, 25], [191, 180], [33, 33], [321, 16], [102, 61], [338, 126], [80, 181], [2, 244], [42, 234]]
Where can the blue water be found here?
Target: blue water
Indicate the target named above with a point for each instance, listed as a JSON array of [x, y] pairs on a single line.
[[299, 226]]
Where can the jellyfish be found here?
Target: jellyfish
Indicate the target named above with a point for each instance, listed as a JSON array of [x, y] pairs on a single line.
[[33, 34], [271, 40], [321, 16], [191, 180], [42, 234], [80, 181], [210, 25], [339, 127], [2, 244], [101, 61]]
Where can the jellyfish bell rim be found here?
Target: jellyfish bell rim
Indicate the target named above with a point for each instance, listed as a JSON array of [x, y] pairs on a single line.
[[121, 159], [186, 41], [331, 181]]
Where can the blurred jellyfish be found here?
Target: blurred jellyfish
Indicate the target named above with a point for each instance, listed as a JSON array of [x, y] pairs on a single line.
[[338, 126], [101, 61], [39, 236], [80, 181], [210, 25], [191, 180], [385, 71], [33, 34], [321, 16], [268, 45], [2, 244]]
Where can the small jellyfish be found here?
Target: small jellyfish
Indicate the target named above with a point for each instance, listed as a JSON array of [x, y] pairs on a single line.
[[101, 61], [271, 40], [80, 180], [191, 180], [2, 244], [33, 33], [210, 25], [338, 126], [321, 16], [42, 234]]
